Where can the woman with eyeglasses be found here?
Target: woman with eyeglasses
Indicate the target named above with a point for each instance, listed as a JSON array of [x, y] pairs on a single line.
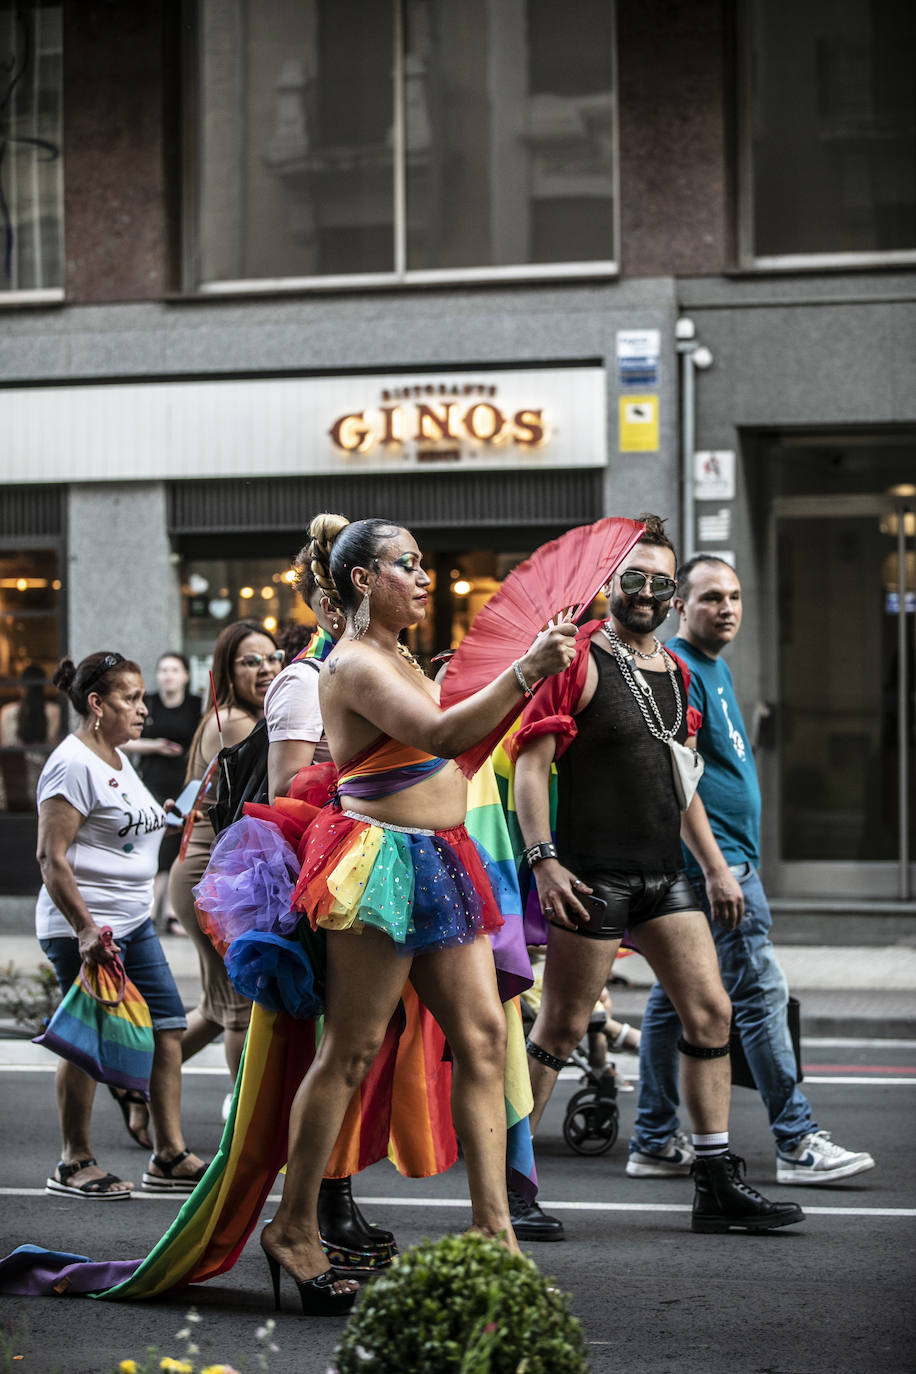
[[245, 662]]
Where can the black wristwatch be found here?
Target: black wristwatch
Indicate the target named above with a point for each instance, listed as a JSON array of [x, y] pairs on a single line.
[[539, 852]]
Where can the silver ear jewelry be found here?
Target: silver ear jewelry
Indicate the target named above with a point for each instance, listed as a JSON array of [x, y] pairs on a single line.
[[361, 617], [98, 721]]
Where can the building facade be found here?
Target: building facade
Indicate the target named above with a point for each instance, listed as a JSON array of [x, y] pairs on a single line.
[[493, 269]]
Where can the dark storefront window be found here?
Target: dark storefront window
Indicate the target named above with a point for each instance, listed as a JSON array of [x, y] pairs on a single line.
[[217, 591], [830, 138], [31, 164], [390, 137], [30, 709]]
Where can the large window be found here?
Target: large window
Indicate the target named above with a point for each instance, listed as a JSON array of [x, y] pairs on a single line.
[[31, 175], [829, 155], [402, 138]]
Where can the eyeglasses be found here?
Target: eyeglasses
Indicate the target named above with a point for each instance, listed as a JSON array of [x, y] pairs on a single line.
[[632, 581], [255, 660]]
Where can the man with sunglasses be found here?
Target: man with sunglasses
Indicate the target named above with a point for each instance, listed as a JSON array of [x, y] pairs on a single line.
[[610, 724], [708, 601]]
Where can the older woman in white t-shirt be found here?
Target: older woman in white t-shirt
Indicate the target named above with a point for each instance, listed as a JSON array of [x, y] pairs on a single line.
[[99, 830]]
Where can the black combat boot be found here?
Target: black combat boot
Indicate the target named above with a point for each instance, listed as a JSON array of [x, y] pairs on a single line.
[[723, 1201], [530, 1223], [349, 1240]]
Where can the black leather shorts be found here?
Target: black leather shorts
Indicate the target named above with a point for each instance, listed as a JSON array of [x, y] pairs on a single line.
[[634, 898]]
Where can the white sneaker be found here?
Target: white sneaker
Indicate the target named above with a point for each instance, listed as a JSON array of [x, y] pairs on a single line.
[[816, 1159], [675, 1160]]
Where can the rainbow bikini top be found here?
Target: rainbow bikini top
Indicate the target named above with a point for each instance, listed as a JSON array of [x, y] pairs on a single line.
[[385, 766]]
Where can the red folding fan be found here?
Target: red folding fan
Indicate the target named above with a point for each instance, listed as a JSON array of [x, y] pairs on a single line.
[[559, 581]]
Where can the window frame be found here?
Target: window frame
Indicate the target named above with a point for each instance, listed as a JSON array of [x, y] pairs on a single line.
[[17, 297], [193, 283], [747, 259]]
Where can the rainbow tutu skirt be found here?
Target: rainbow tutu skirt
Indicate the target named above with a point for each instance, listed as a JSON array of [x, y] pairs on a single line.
[[425, 889]]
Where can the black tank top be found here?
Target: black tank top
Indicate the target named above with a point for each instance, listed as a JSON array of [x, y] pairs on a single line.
[[616, 805]]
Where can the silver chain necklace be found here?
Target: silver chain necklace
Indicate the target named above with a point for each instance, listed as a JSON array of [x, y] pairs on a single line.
[[625, 648], [643, 692]]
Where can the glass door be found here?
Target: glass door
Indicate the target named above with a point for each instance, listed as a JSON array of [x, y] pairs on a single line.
[[841, 766]]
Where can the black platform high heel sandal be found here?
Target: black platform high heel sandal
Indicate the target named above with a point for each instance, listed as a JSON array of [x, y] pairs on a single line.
[[317, 1295], [348, 1239]]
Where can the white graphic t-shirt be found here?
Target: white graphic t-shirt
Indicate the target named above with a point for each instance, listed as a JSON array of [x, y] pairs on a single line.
[[116, 851]]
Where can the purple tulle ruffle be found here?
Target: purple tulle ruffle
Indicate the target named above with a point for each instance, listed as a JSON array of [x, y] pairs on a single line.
[[249, 881]]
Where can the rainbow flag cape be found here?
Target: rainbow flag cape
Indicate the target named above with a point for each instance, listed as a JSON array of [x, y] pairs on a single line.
[[487, 824]]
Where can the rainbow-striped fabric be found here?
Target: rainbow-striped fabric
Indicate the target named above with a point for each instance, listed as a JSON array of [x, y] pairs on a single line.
[[103, 1026], [319, 646], [385, 766]]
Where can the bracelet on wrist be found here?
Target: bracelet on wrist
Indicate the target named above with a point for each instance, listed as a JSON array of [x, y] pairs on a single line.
[[537, 853], [520, 678]]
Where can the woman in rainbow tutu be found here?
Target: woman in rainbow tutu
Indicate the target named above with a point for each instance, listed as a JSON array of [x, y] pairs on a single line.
[[391, 875]]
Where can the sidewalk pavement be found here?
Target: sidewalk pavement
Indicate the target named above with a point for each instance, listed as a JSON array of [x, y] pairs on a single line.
[[847, 992]]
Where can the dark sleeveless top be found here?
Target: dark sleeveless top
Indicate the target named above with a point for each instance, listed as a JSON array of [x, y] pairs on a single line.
[[616, 805]]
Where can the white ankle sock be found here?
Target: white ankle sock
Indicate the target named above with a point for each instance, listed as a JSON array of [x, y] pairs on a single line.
[[709, 1146]]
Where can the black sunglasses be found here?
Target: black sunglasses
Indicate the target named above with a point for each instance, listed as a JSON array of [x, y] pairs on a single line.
[[632, 581]]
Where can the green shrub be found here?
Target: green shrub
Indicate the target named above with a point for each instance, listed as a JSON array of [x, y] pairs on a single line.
[[463, 1305], [28, 998]]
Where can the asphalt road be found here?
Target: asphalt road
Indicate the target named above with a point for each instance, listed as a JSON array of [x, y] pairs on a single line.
[[833, 1296]]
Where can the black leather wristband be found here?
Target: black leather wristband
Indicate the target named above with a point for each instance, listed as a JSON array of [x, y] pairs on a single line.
[[537, 853]]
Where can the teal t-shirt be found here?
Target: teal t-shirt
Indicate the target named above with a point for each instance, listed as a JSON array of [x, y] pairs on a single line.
[[729, 786]]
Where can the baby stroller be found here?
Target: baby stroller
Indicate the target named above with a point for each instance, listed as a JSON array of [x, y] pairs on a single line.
[[592, 1119]]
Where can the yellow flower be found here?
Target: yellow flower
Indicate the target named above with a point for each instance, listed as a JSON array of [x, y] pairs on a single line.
[[127, 1367], [219, 1369], [176, 1366]]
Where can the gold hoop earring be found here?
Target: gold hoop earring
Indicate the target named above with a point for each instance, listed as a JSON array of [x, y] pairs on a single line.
[[361, 617]]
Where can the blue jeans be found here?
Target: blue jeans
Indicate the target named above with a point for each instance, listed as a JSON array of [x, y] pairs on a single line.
[[144, 963], [759, 993]]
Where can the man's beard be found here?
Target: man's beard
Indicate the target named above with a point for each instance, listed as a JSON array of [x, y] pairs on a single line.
[[626, 613]]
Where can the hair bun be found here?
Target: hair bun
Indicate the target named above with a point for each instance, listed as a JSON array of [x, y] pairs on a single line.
[[65, 674]]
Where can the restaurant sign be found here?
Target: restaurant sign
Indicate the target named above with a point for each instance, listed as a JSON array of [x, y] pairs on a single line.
[[509, 419]]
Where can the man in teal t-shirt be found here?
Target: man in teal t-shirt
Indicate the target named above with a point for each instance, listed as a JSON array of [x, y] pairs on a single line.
[[708, 601]]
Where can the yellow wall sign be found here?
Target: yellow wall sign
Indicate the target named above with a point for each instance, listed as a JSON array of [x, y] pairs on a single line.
[[638, 424]]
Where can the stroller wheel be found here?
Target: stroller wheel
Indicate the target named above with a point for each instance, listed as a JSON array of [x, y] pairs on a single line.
[[590, 1125]]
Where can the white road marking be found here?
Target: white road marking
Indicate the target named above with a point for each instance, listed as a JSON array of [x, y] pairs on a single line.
[[222, 1072], [873, 1081], [454, 1203]]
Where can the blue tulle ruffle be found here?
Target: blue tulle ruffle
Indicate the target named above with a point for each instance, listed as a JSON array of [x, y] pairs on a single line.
[[274, 972]]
